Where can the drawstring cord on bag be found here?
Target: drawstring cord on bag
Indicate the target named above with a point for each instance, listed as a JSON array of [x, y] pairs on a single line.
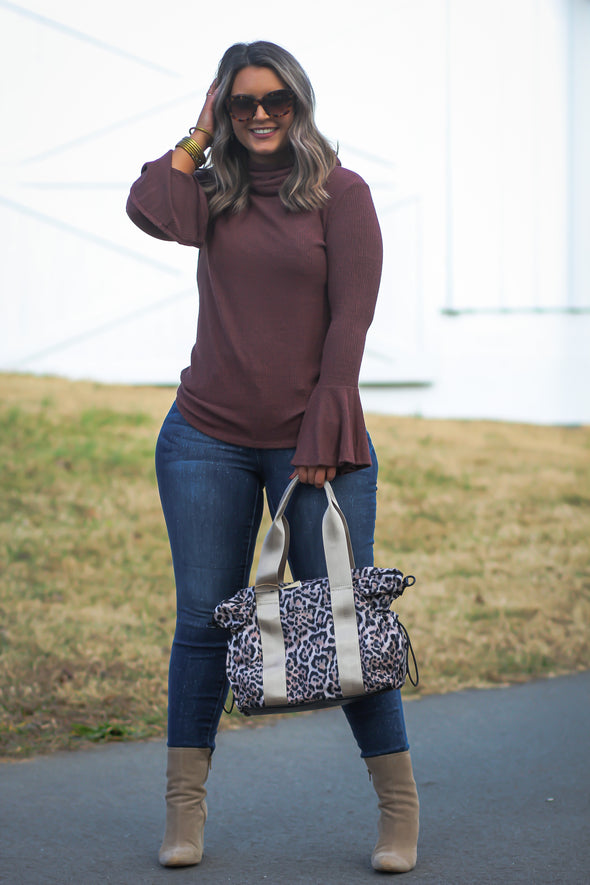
[[410, 651], [409, 581]]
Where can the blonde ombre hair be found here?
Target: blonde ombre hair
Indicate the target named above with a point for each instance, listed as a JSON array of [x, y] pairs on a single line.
[[228, 182]]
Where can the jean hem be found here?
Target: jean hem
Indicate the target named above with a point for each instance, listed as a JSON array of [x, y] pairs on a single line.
[[386, 753]]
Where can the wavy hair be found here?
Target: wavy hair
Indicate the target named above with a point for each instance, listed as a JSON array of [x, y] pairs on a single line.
[[228, 183]]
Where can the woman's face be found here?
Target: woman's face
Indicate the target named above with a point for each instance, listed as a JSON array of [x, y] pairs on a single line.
[[265, 138]]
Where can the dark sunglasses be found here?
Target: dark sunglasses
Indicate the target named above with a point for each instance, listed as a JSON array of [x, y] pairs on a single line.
[[275, 104]]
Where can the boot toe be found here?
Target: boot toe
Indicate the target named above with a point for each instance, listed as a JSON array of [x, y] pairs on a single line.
[[180, 856], [390, 862]]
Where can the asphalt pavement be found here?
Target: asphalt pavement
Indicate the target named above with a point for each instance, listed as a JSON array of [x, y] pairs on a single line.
[[503, 777]]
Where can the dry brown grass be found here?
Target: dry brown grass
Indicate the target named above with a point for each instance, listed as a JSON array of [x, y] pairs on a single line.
[[493, 519]]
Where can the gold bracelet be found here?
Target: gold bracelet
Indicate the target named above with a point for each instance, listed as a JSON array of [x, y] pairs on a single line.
[[200, 129], [193, 149]]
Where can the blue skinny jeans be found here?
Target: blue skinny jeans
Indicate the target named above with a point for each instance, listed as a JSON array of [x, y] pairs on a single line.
[[212, 498]]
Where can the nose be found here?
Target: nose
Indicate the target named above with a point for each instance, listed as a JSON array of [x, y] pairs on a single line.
[[260, 113]]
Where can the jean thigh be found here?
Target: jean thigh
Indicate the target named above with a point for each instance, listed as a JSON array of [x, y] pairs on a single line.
[[211, 496]]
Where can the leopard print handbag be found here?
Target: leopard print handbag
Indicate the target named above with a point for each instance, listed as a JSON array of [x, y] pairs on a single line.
[[318, 643]]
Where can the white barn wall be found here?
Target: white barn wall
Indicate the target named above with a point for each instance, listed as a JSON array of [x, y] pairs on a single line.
[[85, 294], [517, 217], [516, 210], [579, 171]]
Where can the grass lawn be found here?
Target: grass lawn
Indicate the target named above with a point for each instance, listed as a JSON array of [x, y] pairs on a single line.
[[492, 518]]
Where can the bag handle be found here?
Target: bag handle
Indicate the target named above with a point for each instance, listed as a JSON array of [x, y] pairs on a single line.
[[335, 534], [271, 571]]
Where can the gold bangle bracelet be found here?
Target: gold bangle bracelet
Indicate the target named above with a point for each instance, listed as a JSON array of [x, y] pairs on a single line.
[[200, 129], [193, 149]]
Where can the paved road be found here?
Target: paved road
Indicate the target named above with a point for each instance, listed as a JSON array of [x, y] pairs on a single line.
[[503, 776]]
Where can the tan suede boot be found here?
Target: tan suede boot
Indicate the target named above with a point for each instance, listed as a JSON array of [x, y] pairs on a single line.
[[393, 779], [186, 809]]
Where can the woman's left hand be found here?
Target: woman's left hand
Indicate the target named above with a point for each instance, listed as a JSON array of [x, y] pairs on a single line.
[[315, 476]]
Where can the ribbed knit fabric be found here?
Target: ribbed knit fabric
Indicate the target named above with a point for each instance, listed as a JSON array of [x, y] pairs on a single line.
[[285, 301]]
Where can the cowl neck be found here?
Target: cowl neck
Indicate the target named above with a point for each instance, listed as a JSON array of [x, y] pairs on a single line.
[[267, 181]]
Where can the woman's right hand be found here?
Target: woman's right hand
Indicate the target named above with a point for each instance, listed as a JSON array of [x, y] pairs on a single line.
[[206, 118], [180, 159]]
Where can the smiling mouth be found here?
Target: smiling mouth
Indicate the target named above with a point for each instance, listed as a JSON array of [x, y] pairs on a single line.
[[263, 131]]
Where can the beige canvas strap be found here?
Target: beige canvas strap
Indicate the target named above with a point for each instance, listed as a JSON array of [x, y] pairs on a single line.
[[271, 570]]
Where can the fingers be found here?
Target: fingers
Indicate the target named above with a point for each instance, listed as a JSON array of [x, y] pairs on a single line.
[[206, 119], [315, 476], [212, 88]]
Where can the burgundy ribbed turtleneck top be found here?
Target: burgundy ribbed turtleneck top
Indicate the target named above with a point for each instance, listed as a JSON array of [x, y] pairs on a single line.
[[285, 301]]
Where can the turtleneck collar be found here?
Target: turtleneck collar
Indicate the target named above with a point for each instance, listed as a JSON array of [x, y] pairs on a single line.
[[267, 181]]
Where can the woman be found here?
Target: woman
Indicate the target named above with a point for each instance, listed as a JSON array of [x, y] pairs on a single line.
[[288, 274]]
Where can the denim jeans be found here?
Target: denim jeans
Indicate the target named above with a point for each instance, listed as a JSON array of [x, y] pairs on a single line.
[[212, 498]]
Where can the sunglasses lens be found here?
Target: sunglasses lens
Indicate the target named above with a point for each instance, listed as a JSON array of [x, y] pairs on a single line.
[[242, 108], [278, 104]]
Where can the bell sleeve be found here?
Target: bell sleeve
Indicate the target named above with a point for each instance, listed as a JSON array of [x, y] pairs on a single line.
[[333, 432], [169, 204]]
